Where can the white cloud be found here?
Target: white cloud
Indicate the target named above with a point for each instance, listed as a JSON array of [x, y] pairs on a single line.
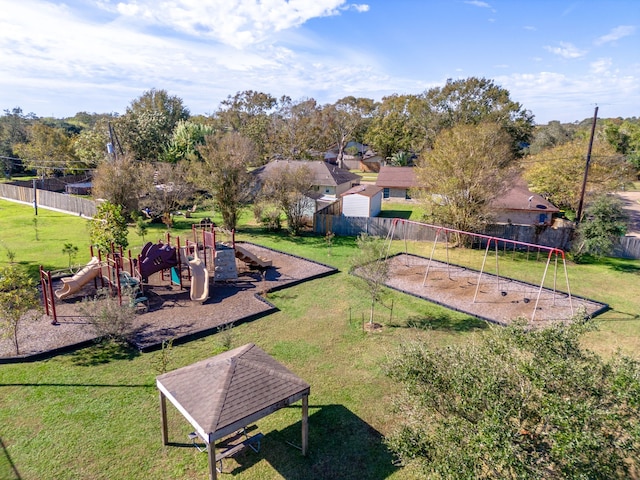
[[478, 3], [238, 23], [362, 8], [566, 50], [601, 66], [616, 34]]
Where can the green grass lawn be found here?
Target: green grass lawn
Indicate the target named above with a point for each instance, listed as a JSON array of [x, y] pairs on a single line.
[[94, 413]]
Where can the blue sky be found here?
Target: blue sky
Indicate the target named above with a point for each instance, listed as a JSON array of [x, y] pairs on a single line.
[[558, 58]]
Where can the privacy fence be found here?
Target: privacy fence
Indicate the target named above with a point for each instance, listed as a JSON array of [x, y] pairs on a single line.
[[325, 221], [47, 199]]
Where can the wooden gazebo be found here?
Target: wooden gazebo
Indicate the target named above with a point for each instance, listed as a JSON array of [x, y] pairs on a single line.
[[223, 394]]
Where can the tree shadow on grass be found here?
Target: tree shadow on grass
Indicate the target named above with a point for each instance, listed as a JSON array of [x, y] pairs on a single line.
[[404, 214], [623, 265], [446, 322], [341, 446], [8, 470], [104, 352]]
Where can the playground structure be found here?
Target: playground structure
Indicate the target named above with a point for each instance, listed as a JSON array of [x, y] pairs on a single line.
[[108, 272], [195, 261], [71, 285], [483, 290]]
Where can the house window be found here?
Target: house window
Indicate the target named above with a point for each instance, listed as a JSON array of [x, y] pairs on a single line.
[[385, 193]]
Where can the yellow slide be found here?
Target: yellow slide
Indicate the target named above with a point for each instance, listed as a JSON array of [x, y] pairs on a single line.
[[71, 285], [199, 277]]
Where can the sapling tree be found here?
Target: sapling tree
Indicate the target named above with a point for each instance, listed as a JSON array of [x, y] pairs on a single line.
[[369, 264], [71, 250], [19, 302], [604, 222]]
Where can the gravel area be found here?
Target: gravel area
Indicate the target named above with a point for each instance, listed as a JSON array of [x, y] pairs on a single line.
[[499, 299], [171, 313]]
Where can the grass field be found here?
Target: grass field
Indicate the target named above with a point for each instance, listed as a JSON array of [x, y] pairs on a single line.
[[94, 413]]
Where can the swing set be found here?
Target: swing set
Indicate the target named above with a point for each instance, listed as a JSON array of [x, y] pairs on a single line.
[[480, 277]]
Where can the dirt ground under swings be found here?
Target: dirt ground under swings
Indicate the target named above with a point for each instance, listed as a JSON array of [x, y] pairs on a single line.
[[500, 300], [171, 312]]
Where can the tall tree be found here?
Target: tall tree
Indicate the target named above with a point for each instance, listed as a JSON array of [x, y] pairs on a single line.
[[224, 172], [13, 130], [518, 403], [557, 173], [465, 170], [47, 150], [475, 100], [148, 123], [345, 118], [394, 127], [248, 113], [298, 131]]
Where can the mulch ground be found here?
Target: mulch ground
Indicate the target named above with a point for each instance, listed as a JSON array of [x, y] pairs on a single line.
[[497, 299], [171, 313]]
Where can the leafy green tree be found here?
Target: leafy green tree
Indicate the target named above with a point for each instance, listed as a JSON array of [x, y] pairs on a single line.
[[518, 403], [185, 140], [624, 136], [344, 119], [557, 173], [90, 145], [48, 149], [604, 222], [396, 125], [370, 265], [472, 101], [14, 127], [224, 173], [467, 167], [109, 227], [297, 129], [551, 135], [148, 123], [19, 301]]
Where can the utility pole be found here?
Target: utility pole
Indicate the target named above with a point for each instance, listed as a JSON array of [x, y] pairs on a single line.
[[586, 167]]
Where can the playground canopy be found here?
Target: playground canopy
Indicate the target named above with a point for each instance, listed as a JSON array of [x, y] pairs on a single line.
[[225, 393]]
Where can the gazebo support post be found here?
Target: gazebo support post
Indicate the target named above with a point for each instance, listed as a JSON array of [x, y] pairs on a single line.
[[163, 414], [211, 453], [305, 424]]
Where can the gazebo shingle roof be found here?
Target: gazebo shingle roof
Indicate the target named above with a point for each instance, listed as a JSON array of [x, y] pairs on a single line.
[[220, 392]]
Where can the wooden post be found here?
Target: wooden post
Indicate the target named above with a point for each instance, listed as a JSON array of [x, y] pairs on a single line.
[[163, 415], [211, 452], [305, 424]]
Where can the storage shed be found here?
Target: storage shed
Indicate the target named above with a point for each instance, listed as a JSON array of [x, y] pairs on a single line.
[[362, 201]]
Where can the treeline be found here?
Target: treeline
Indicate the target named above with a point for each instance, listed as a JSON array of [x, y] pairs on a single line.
[[158, 142]]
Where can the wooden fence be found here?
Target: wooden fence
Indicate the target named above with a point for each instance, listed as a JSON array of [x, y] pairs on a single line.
[[51, 200], [629, 247]]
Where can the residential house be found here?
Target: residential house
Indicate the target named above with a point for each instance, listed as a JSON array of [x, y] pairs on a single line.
[[519, 206], [327, 179], [362, 201], [357, 156], [396, 182]]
